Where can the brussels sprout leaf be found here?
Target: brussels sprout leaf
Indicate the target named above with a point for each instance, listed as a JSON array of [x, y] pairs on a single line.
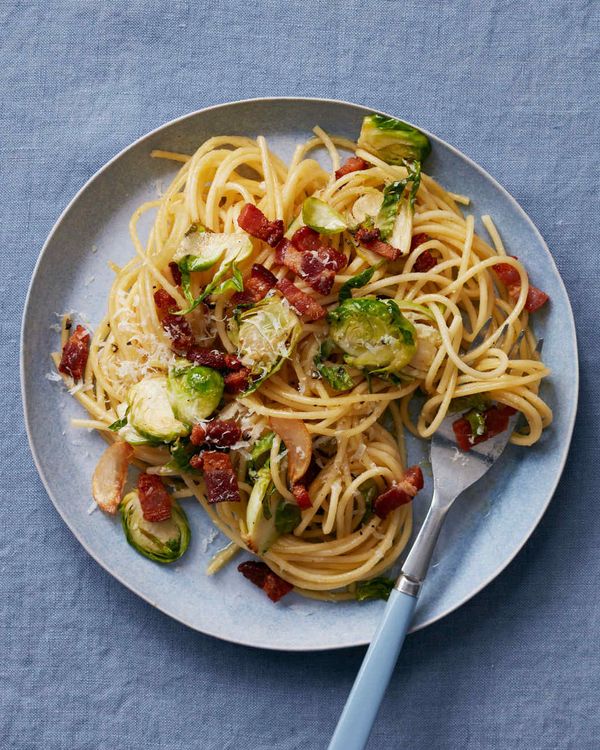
[[287, 517], [377, 588], [336, 375], [356, 282]]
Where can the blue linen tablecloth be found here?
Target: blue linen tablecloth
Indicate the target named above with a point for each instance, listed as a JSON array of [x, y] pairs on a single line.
[[85, 664]]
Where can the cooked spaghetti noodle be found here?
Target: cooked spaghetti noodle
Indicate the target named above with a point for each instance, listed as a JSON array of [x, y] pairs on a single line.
[[357, 434]]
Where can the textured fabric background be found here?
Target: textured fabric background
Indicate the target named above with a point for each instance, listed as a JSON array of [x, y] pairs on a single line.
[[84, 664]]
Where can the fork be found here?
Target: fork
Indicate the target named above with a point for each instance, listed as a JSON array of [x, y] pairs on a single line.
[[449, 481]]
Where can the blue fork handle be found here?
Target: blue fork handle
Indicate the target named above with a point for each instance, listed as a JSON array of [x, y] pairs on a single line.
[[356, 721]]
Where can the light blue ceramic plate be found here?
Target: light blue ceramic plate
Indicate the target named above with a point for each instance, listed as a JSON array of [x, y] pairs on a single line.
[[484, 531]]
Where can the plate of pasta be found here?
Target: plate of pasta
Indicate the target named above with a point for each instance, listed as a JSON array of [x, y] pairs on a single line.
[[238, 340]]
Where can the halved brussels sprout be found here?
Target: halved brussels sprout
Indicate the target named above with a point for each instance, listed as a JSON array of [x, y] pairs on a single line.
[[428, 344], [163, 541], [260, 513], [200, 250], [266, 335], [194, 392], [368, 205], [150, 413], [393, 140], [321, 217], [373, 334]]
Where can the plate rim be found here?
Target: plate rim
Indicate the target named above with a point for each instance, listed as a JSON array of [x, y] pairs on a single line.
[[565, 446]]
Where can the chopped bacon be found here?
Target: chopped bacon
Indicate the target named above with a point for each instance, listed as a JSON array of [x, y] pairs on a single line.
[[535, 299], [256, 287], [262, 576], [307, 240], [219, 476], [238, 381], [496, 421], [399, 494], [301, 301], [306, 265], [242, 298], [370, 238], [213, 358], [417, 240], [154, 498], [425, 262], [300, 492], [253, 221], [179, 331], [175, 273], [352, 164], [222, 433], [367, 235], [163, 301], [75, 354], [510, 277]]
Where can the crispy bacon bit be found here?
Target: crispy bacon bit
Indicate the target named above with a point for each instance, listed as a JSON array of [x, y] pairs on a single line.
[[535, 299], [232, 362], [417, 240], [509, 276], [367, 235], [352, 164], [238, 381], [163, 301], [496, 421], [75, 354], [179, 331], [425, 262], [222, 433], [301, 301], [306, 265], [399, 494], [175, 273], [213, 358], [369, 238], [154, 498], [256, 287], [300, 492], [219, 477], [253, 221], [262, 576], [307, 240]]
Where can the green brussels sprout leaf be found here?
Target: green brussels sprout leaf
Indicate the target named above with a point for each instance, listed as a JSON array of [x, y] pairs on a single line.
[[321, 217], [393, 140], [287, 517], [194, 392], [150, 413], [377, 588], [356, 282], [336, 375]]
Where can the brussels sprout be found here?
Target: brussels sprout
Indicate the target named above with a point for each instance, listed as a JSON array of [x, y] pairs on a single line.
[[336, 375], [163, 541], [377, 588], [261, 512], [373, 334], [428, 344], [319, 216], [395, 217], [266, 335], [150, 414], [368, 205], [393, 140], [200, 250], [194, 392]]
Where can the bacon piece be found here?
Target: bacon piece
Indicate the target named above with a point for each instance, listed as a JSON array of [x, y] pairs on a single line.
[[238, 381], [219, 477], [179, 331], [307, 240], [417, 240], [496, 421], [163, 301], [306, 265], [300, 492], [370, 238], [75, 354], [399, 494], [175, 273], [508, 274], [154, 498], [425, 262], [256, 287], [301, 301], [367, 235], [352, 164], [262, 576], [253, 221], [222, 433], [535, 299], [213, 358]]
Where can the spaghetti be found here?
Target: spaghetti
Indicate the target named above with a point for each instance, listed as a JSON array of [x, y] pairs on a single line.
[[444, 284]]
